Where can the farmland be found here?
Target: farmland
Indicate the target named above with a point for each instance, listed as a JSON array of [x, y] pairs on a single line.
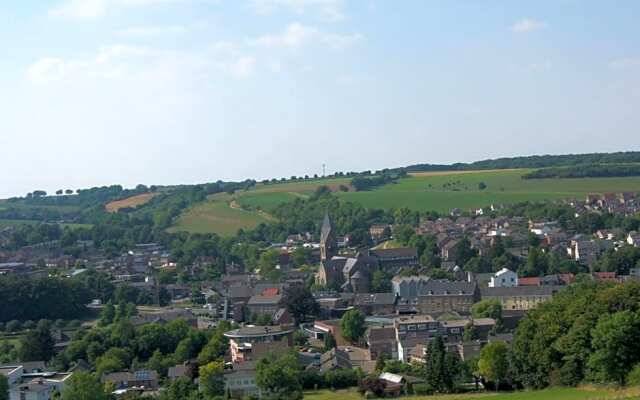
[[429, 191], [130, 202], [549, 394]]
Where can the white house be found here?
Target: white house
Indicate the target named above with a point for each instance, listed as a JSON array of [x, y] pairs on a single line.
[[634, 239], [504, 278]]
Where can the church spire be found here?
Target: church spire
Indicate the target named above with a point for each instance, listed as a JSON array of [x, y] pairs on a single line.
[[328, 243]]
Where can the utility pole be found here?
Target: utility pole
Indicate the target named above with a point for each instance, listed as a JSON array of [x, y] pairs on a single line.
[[324, 170]]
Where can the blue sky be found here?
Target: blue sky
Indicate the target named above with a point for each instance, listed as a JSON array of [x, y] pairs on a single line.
[[99, 92]]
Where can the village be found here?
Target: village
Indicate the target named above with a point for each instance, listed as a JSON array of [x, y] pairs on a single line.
[[466, 309]]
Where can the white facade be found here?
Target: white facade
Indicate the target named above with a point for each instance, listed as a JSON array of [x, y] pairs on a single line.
[[504, 278]]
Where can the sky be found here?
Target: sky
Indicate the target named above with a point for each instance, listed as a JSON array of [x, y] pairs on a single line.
[[100, 92]]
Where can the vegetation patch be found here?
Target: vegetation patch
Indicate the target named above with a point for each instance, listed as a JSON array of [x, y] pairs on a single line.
[[586, 171], [130, 202]]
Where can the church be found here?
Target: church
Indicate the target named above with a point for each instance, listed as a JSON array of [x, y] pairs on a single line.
[[347, 274]]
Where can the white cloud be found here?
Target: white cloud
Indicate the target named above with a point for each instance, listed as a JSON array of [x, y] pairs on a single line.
[[92, 9], [625, 63], [153, 30], [297, 35], [328, 10], [527, 25], [126, 62]]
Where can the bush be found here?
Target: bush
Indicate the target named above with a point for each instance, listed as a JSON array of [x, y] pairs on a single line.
[[13, 326], [422, 389], [28, 325], [633, 378]]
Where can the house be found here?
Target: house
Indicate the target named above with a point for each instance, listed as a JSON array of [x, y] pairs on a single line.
[[414, 330], [395, 258], [504, 278], [240, 381], [521, 297], [382, 340], [13, 373], [261, 305], [605, 277], [530, 281], [453, 331], [449, 250], [440, 296], [30, 391], [335, 359], [254, 342], [375, 303], [379, 232], [408, 287], [146, 380], [333, 327], [633, 239]]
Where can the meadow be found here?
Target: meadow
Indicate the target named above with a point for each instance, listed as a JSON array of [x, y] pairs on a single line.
[[549, 394], [438, 191]]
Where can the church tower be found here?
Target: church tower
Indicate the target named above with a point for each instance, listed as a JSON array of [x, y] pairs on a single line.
[[328, 244]]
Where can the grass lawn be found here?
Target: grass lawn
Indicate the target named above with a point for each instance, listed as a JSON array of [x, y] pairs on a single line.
[[549, 394]]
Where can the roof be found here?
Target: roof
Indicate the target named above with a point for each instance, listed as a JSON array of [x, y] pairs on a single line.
[[412, 319], [389, 377], [445, 288], [177, 371], [415, 278], [239, 291], [131, 376], [363, 299], [326, 229], [266, 300], [519, 291], [381, 333], [531, 281], [400, 252], [257, 331]]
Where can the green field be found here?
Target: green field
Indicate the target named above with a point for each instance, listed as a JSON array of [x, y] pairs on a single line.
[[440, 191], [549, 394], [503, 187]]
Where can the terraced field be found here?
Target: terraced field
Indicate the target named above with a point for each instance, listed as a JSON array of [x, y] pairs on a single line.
[[437, 191]]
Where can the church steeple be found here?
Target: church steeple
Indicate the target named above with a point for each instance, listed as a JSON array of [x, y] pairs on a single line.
[[328, 245]]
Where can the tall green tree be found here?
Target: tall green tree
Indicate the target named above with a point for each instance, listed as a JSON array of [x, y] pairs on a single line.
[[493, 364], [616, 345], [352, 325], [212, 379], [37, 344], [84, 386], [4, 388], [441, 367], [280, 378], [300, 303]]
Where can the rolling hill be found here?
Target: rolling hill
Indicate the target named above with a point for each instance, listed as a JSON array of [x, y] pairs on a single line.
[[422, 191]]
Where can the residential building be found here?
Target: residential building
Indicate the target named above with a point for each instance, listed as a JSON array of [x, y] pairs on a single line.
[[408, 287], [504, 278], [254, 342], [146, 380], [440, 296], [240, 381], [520, 298]]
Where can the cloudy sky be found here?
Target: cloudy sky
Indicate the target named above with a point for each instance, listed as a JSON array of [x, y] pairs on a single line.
[[97, 92]]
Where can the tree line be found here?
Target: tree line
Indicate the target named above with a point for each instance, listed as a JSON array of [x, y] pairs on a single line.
[[585, 171]]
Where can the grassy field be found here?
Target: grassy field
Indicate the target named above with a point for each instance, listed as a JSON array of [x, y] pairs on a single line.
[[437, 191], [224, 214], [133, 202], [549, 394], [425, 192], [217, 215]]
